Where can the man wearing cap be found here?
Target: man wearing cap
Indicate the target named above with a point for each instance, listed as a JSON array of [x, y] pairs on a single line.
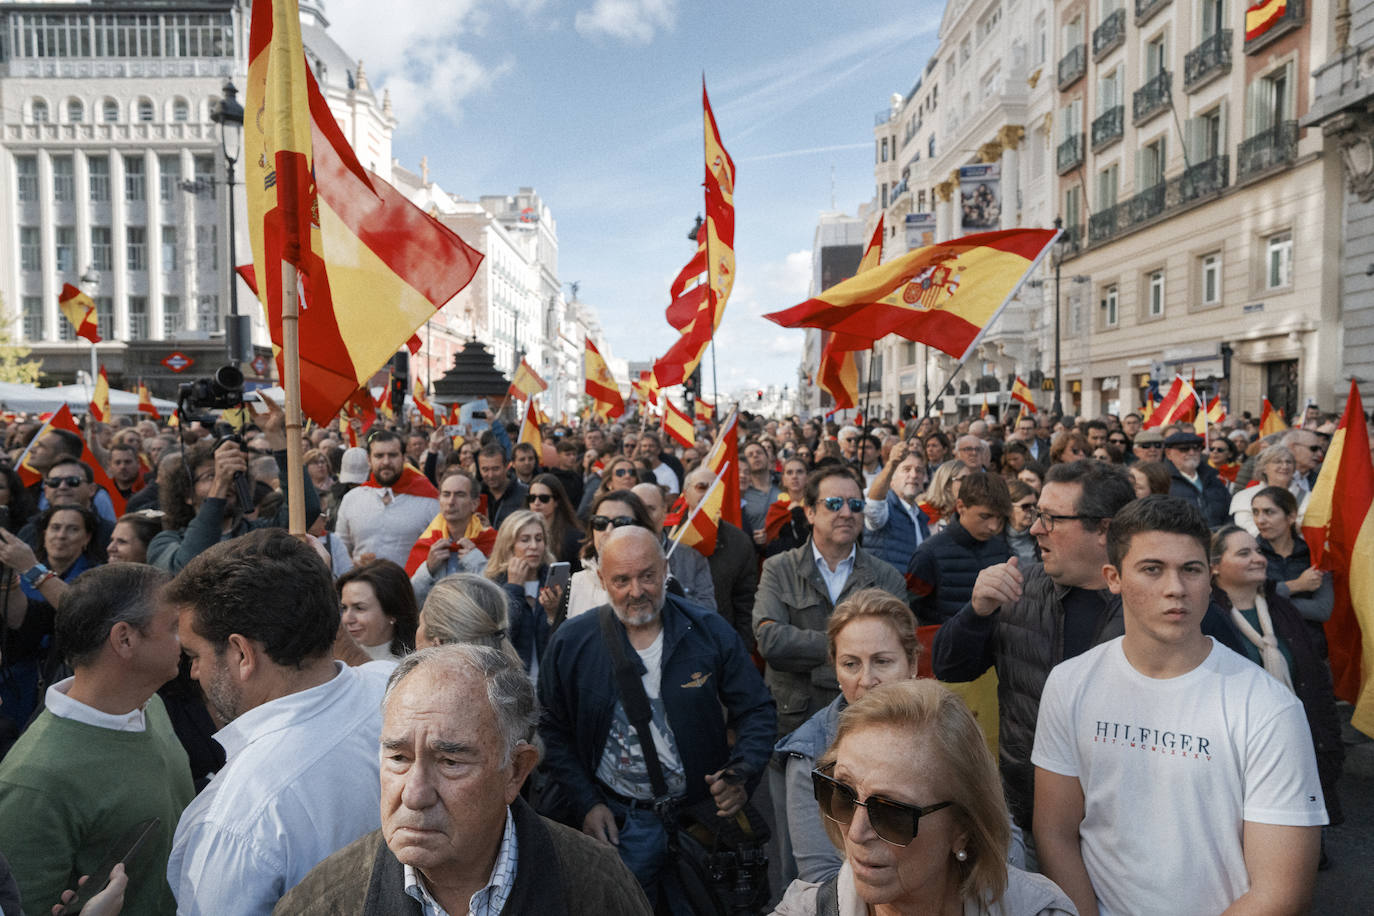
[[1194, 481], [1148, 446]]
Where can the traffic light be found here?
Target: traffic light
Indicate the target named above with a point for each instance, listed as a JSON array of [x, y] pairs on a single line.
[[400, 381]]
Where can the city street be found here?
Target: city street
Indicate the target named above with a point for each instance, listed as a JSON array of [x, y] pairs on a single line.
[[1348, 886]]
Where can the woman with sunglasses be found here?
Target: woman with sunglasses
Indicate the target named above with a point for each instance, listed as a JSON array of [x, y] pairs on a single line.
[[1068, 447], [609, 511], [519, 563], [1274, 467], [871, 639], [620, 473], [911, 795], [1019, 538], [547, 499], [1290, 562], [1223, 458]]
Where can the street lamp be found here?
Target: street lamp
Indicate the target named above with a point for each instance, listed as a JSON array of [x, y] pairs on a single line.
[[228, 114]]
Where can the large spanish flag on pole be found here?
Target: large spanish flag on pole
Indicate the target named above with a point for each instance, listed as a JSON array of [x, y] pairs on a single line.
[[1339, 529], [80, 311], [839, 367], [601, 385], [942, 295], [1175, 406], [100, 398]]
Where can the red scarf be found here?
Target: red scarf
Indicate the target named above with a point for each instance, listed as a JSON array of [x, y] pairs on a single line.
[[411, 483]]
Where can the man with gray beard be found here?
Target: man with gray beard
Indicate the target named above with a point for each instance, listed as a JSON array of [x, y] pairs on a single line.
[[691, 663]]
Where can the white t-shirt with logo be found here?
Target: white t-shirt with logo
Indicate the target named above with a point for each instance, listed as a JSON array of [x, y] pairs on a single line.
[[1171, 769], [622, 768]]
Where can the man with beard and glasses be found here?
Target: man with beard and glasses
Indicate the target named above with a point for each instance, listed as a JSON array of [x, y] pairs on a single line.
[[382, 518], [692, 663], [259, 616]]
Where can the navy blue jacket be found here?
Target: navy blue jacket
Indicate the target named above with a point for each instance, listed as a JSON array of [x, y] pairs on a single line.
[[705, 667], [944, 568], [1212, 499], [895, 542]]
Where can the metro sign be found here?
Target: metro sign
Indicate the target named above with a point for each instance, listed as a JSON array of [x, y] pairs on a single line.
[[177, 361], [260, 365]]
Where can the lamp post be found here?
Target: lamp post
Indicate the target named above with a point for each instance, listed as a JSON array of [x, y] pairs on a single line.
[[1058, 408], [228, 114]]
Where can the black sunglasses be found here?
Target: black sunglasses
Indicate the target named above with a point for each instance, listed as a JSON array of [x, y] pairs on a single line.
[[893, 822], [532, 498], [73, 481], [835, 503], [625, 472], [601, 522]]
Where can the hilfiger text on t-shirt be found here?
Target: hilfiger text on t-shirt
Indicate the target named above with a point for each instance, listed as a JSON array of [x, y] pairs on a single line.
[[1161, 741]]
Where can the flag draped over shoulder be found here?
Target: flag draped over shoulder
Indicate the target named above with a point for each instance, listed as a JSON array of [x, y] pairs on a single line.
[[62, 419], [942, 295], [1021, 392], [1271, 420], [145, 402], [483, 537], [724, 456], [356, 241], [677, 424], [80, 311], [527, 382], [697, 307], [601, 385], [100, 398], [1339, 529]]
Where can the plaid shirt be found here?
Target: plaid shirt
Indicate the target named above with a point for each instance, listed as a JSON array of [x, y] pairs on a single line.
[[490, 900]]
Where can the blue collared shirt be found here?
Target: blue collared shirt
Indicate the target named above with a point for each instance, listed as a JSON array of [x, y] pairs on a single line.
[[490, 900], [834, 581]]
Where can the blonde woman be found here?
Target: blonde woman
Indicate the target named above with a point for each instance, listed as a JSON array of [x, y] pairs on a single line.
[[466, 608], [937, 502], [519, 563]]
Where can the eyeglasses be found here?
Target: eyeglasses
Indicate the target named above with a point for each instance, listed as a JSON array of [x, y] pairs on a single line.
[[73, 481], [1026, 506], [1049, 520], [1185, 448], [835, 503], [1117, 441], [1149, 445], [601, 522], [624, 472], [893, 822], [1219, 448], [533, 498]]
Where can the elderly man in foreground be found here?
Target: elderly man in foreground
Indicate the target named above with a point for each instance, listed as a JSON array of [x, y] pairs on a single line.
[[458, 740]]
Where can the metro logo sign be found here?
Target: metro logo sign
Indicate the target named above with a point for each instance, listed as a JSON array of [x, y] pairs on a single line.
[[177, 361]]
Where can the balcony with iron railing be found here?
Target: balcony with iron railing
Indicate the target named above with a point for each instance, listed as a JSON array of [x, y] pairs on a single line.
[[1104, 224], [1208, 60], [1108, 127], [1269, 149], [1144, 9], [1071, 240], [1199, 181], [1072, 66], [1204, 178], [1151, 98], [1069, 155], [1148, 204], [1293, 17], [1110, 35]]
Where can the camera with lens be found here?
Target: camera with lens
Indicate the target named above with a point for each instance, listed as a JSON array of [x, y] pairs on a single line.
[[220, 391]]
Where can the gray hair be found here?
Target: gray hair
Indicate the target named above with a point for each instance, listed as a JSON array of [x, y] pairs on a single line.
[[1271, 454], [468, 608], [509, 689]]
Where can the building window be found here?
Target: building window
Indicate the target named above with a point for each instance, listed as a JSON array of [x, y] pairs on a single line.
[[1278, 261], [135, 179], [988, 23], [104, 317], [1269, 100], [882, 146], [76, 112], [1211, 278], [1149, 164], [1042, 40], [33, 318], [1109, 91], [1213, 17], [990, 82], [138, 317], [1156, 57], [172, 320], [1206, 135], [30, 248], [66, 249], [207, 247], [99, 168], [26, 168], [109, 111], [39, 109], [931, 152], [1155, 302], [205, 175], [146, 111], [169, 249], [181, 111], [1108, 180], [63, 180], [965, 50], [207, 313], [170, 169], [137, 238], [1073, 205], [102, 248], [1109, 306], [884, 195]]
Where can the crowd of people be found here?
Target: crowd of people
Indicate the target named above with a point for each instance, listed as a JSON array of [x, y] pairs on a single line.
[[489, 675]]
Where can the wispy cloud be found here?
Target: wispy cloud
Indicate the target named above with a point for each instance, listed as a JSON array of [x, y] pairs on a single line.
[[631, 21], [787, 154]]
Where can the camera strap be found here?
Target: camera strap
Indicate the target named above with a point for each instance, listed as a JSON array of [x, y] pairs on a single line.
[[635, 700]]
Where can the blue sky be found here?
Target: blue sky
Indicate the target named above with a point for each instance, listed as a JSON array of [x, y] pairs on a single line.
[[596, 104]]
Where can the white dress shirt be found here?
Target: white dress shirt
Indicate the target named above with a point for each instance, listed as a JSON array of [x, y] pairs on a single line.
[[301, 781], [64, 707], [834, 581]]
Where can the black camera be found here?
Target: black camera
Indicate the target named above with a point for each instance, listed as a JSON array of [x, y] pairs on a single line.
[[220, 391]]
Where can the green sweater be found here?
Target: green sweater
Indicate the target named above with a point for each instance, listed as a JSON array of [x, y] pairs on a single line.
[[69, 791]]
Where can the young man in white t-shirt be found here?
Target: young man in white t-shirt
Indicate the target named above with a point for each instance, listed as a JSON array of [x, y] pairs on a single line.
[[1171, 774]]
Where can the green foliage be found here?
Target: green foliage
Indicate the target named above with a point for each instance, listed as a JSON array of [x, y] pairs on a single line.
[[15, 364]]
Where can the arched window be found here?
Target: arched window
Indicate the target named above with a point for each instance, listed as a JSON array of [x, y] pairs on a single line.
[[109, 111], [76, 111], [40, 111], [181, 111], [146, 112]]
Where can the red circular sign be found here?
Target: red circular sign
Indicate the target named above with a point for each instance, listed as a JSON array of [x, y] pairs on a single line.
[[260, 364], [177, 361]]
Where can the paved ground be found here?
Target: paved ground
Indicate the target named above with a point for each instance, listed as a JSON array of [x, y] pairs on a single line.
[[1348, 886]]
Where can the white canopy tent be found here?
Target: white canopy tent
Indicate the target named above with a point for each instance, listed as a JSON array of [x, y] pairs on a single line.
[[32, 399]]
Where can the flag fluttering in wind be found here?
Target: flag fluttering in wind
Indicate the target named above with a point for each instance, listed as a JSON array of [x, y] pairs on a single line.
[[839, 367], [145, 402], [529, 428], [62, 419], [1020, 391], [700, 529], [697, 307], [1271, 420], [705, 410], [80, 311], [100, 398], [724, 457], [1339, 529], [422, 403], [1213, 415], [1261, 16], [644, 389], [1174, 406], [527, 382], [355, 240], [677, 424], [601, 385], [942, 295]]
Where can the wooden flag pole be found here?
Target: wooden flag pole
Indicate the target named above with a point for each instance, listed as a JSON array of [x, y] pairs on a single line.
[[291, 385]]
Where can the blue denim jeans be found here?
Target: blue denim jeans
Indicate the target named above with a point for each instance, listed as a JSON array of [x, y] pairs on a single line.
[[644, 850]]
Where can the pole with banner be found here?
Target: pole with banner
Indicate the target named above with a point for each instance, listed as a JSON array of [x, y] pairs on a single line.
[[291, 387]]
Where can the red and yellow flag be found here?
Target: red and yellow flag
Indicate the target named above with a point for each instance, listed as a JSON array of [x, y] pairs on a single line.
[[1260, 17], [601, 385], [1339, 528], [100, 398], [701, 527], [145, 402], [943, 295], [694, 311], [705, 410], [644, 389], [839, 367], [483, 537], [529, 428], [422, 405], [80, 311], [356, 241], [1020, 391], [723, 458], [527, 382], [1174, 406], [62, 419], [1213, 415], [1271, 420], [677, 424]]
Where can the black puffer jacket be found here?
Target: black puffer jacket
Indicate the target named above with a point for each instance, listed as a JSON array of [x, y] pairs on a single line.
[[944, 568]]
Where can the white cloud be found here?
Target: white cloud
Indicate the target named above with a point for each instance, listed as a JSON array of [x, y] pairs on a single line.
[[630, 21]]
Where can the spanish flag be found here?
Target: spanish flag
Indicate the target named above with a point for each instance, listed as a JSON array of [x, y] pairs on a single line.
[[778, 515], [526, 383], [100, 398], [356, 241], [705, 410], [601, 385], [1271, 421], [1261, 16], [678, 425], [62, 419], [1020, 391], [145, 402], [80, 311], [1339, 529], [1174, 406], [943, 295], [700, 529], [422, 404], [986, 411], [1213, 415], [839, 367], [483, 537], [529, 428], [723, 458], [644, 389]]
